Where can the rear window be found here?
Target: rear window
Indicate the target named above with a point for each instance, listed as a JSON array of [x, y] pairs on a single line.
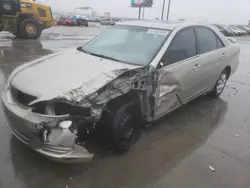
[[207, 40]]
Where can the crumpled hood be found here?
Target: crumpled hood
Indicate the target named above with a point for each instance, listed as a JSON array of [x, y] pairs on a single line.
[[59, 74]]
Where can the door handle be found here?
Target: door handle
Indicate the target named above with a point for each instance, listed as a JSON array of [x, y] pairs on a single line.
[[196, 67], [224, 56]]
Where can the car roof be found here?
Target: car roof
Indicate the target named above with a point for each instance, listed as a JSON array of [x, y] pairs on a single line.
[[169, 25], [159, 24]]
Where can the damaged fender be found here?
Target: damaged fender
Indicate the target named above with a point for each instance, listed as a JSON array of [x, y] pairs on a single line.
[[117, 83]]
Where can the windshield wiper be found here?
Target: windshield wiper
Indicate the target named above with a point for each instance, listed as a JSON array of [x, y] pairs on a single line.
[[104, 57], [82, 50], [98, 55]]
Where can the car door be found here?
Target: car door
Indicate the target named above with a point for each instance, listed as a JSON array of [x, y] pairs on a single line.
[[213, 56], [176, 76]]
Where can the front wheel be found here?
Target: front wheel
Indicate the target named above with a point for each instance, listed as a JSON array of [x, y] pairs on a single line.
[[29, 29], [124, 125], [220, 84]]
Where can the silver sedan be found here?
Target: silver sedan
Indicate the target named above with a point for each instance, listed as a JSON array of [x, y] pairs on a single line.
[[134, 72]]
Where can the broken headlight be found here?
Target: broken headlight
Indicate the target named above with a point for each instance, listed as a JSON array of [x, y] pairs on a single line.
[[59, 109]]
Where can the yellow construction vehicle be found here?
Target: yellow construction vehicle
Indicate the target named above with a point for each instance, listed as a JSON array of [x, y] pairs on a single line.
[[25, 18]]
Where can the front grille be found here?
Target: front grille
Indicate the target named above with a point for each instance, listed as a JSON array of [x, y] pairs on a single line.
[[21, 97]]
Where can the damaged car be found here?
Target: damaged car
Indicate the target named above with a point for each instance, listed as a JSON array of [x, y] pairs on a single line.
[[132, 73]]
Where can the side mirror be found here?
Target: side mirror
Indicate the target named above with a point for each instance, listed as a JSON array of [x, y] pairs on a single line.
[[160, 65]]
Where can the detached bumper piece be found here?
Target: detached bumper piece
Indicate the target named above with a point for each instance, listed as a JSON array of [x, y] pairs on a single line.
[[48, 135]]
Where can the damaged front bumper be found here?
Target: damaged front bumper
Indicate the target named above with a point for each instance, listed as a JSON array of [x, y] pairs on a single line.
[[43, 133]]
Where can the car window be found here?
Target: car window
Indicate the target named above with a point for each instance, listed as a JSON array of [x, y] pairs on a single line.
[[42, 12], [219, 43], [182, 47], [207, 40]]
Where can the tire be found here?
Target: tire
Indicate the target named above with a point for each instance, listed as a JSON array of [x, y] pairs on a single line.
[[28, 33], [222, 81], [124, 126]]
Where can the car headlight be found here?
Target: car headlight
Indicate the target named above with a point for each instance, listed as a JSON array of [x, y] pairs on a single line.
[[60, 109], [65, 124]]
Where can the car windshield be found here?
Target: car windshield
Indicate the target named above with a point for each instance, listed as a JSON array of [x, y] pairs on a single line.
[[128, 44]]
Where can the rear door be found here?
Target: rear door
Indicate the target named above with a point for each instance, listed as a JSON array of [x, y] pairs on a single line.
[[177, 73], [213, 56]]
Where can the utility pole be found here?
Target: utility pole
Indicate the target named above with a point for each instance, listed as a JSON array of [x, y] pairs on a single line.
[[169, 4], [143, 12], [163, 9], [139, 16]]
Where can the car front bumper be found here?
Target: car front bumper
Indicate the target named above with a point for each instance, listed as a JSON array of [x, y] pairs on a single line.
[[27, 127]]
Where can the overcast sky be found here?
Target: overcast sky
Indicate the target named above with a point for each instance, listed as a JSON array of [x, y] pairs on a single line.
[[219, 11]]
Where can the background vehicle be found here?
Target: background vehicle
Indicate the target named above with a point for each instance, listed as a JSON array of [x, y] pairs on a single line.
[[131, 82], [107, 21], [71, 20], [246, 28], [234, 31], [24, 18], [223, 29], [80, 20], [66, 20], [239, 31]]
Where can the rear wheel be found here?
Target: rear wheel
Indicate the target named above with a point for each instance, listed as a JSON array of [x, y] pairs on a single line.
[[220, 84], [29, 29]]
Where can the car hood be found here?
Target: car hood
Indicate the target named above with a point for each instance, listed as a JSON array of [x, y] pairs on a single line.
[[61, 73]]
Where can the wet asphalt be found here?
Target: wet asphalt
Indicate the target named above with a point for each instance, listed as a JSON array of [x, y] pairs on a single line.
[[175, 152]]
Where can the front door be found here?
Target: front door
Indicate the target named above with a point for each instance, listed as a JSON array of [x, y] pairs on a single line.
[[176, 76]]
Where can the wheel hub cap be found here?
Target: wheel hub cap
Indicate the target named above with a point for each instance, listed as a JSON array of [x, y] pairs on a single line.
[[30, 29], [221, 83]]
